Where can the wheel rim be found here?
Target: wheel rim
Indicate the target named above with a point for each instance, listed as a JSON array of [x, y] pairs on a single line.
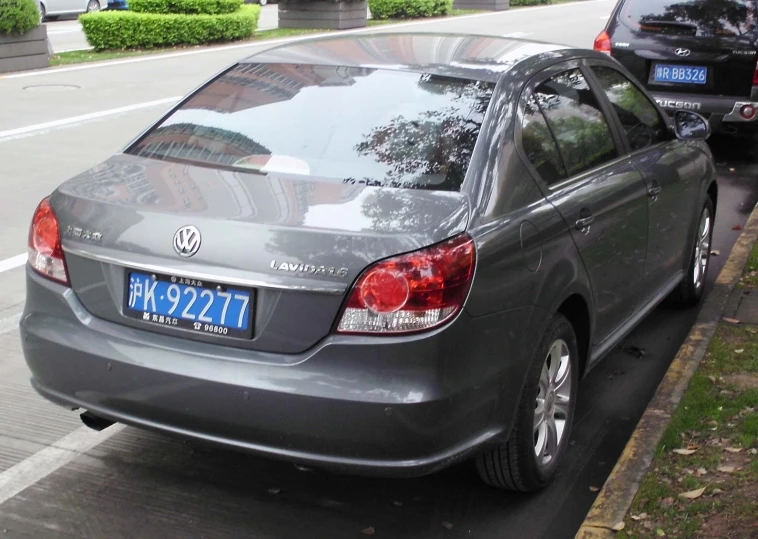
[[702, 249], [93, 6], [552, 407]]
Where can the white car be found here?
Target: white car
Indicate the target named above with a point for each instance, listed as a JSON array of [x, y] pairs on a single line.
[[52, 9]]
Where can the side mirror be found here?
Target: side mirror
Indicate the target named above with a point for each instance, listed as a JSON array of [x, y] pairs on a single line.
[[690, 125]]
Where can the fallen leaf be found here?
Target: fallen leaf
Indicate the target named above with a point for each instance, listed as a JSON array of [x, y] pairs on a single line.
[[731, 320], [659, 532], [717, 491], [712, 379], [274, 490], [447, 525], [731, 169], [684, 451], [701, 472], [737, 227], [641, 516], [368, 531], [692, 494], [715, 252], [727, 469], [667, 502], [618, 526], [397, 503], [753, 451], [733, 449], [594, 489], [739, 351]]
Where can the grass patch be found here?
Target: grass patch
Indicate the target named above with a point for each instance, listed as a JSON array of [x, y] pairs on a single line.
[[718, 419], [750, 278], [79, 57]]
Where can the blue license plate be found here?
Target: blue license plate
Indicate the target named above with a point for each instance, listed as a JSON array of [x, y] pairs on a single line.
[[193, 304], [680, 74]]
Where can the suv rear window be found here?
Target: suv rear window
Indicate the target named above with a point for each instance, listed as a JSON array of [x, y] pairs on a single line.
[[355, 125], [692, 18]]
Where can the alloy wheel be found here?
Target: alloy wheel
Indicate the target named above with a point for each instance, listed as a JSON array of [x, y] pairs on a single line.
[[552, 406], [702, 249]]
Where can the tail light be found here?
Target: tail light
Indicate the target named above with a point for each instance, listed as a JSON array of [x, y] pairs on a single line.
[[603, 43], [413, 292], [755, 76], [45, 251]]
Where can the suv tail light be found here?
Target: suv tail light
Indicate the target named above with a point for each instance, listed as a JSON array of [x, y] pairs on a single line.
[[603, 42], [412, 292], [755, 76], [45, 251]]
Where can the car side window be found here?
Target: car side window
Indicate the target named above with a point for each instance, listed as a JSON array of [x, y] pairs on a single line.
[[639, 117], [576, 120], [539, 144]]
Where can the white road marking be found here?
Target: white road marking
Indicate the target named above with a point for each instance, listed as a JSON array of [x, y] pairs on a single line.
[[75, 120], [154, 57], [46, 461], [67, 31], [12, 263]]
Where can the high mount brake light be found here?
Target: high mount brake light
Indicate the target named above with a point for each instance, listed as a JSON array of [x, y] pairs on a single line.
[[45, 251], [413, 292]]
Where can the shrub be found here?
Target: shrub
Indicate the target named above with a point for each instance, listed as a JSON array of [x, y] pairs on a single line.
[[18, 16], [529, 2], [117, 30], [186, 7], [409, 9]]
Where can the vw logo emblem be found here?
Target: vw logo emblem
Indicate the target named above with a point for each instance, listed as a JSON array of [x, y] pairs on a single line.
[[682, 52], [187, 241]]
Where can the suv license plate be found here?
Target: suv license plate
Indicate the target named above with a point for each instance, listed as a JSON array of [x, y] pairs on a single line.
[[678, 74], [193, 304]]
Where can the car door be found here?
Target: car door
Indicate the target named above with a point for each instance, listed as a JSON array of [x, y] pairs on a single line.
[[577, 156], [671, 170]]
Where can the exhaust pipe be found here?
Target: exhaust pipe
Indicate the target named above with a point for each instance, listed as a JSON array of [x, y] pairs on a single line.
[[95, 422]]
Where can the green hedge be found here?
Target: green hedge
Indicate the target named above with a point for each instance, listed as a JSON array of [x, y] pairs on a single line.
[[530, 2], [186, 7], [118, 30], [18, 16], [409, 9]]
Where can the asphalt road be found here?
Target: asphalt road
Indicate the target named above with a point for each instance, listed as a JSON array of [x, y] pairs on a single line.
[[66, 33], [58, 479]]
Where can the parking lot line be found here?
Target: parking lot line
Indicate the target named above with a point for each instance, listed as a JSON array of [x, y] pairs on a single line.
[[12, 262], [46, 461], [75, 120]]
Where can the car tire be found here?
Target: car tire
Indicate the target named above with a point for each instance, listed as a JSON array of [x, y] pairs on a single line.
[[263, 2], [93, 6], [42, 13], [552, 379], [690, 290]]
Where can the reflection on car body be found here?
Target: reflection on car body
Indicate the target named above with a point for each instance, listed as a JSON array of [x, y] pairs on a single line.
[[378, 253]]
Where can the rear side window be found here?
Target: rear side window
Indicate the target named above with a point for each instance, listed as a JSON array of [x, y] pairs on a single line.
[[539, 145], [576, 120], [352, 125], [691, 18], [639, 118]]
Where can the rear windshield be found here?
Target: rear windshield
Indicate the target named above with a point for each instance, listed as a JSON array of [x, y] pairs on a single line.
[[353, 125], [729, 18]]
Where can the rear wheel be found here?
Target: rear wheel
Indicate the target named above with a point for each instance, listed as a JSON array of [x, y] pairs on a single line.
[[691, 288], [93, 6], [538, 440]]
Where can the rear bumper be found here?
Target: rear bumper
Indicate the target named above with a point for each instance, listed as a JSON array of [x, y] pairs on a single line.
[[404, 406], [722, 112]]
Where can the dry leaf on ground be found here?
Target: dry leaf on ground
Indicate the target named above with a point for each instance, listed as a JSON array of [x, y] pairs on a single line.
[[692, 494], [684, 451]]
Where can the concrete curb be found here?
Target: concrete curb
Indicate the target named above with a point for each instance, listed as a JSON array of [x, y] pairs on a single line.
[[616, 496]]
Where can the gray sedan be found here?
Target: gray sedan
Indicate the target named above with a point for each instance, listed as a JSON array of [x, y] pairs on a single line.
[[378, 254]]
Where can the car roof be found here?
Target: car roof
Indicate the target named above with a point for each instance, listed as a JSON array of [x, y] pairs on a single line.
[[479, 57]]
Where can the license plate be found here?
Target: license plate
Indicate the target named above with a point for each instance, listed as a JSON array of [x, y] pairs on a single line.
[[193, 304], [680, 74]]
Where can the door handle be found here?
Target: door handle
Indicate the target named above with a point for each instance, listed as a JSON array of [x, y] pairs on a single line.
[[583, 223]]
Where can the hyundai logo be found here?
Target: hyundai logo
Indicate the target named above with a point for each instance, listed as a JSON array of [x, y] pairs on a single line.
[[187, 241], [682, 52]]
